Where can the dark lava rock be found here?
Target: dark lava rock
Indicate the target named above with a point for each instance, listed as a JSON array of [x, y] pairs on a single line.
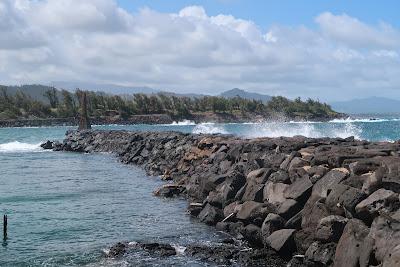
[[272, 223], [223, 255], [117, 250], [169, 190], [47, 145], [289, 208], [282, 241], [330, 228], [252, 234], [299, 190], [251, 210], [349, 248], [210, 215], [343, 199], [164, 250], [381, 200], [319, 254]]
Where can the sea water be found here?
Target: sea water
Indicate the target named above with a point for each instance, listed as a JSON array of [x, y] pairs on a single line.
[[66, 209]]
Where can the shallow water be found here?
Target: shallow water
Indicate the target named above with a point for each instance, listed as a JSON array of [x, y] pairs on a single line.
[[65, 209]]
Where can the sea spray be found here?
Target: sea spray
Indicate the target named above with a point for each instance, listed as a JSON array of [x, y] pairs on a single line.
[[277, 129], [209, 128], [184, 122]]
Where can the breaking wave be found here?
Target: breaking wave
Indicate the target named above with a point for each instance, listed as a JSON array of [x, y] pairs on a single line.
[[277, 129], [304, 129], [184, 122], [209, 128], [16, 146], [351, 120]]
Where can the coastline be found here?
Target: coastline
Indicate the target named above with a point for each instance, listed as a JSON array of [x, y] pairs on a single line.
[[153, 119], [328, 199]]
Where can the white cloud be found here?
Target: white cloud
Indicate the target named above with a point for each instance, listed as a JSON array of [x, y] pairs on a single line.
[[190, 51]]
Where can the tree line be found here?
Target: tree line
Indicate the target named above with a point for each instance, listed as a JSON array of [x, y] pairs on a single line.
[[65, 104]]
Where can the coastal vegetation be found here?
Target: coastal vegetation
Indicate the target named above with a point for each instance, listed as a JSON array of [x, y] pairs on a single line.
[[65, 104]]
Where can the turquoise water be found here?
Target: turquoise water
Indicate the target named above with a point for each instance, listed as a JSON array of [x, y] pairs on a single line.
[[65, 209]]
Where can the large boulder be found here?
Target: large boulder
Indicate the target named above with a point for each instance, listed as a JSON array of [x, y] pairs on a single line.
[[325, 184], [320, 254], [210, 215], [381, 200], [343, 199], [289, 208], [280, 177], [363, 166], [253, 191], [296, 163], [299, 190], [385, 233], [330, 228], [282, 241], [274, 193], [273, 222], [252, 234], [372, 181], [252, 212], [314, 210], [260, 175], [349, 248], [316, 172], [393, 260]]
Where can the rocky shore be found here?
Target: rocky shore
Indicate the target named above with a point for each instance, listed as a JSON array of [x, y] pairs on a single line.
[[138, 119], [315, 202], [162, 119]]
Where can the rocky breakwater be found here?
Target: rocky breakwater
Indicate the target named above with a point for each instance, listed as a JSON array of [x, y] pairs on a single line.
[[316, 202]]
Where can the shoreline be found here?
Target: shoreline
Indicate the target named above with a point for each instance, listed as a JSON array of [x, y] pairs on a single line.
[[154, 119], [328, 199]]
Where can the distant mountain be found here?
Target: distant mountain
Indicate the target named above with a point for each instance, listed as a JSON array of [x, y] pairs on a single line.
[[106, 88], [245, 94], [367, 105]]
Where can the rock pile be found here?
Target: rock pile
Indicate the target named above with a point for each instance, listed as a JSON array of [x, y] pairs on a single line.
[[333, 201]]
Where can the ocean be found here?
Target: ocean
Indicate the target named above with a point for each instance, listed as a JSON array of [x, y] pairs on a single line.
[[66, 209]]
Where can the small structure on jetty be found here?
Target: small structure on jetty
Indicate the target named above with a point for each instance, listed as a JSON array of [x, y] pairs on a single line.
[[84, 122]]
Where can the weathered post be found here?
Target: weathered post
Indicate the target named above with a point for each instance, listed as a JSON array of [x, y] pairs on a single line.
[[84, 123], [5, 227]]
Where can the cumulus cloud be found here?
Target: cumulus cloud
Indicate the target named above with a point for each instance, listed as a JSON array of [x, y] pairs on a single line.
[[190, 51]]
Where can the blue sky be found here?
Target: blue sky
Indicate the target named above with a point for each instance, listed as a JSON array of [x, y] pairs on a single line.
[[266, 13]]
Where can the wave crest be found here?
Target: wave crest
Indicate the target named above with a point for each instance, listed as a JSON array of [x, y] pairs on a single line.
[[209, 128], [17, 146], [307, 130], [184, 122]]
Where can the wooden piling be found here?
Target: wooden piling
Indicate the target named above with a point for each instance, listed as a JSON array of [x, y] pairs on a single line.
[[84, 122], [5, 222]]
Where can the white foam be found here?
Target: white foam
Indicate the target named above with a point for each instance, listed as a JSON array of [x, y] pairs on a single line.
[[16, 146], [183, 123], [180, 250], [209, 128], [305, 129], [351, 120]]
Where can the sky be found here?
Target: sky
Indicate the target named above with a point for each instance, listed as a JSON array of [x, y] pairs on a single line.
[[330, 50]]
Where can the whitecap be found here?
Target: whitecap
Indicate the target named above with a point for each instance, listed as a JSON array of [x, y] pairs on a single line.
[[183, 123], [209, 128], [180, 250], [272, 129], [17, 146]]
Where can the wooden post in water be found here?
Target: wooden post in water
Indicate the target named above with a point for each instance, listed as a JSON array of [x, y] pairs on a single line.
[[84, 123], [5, 227]]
